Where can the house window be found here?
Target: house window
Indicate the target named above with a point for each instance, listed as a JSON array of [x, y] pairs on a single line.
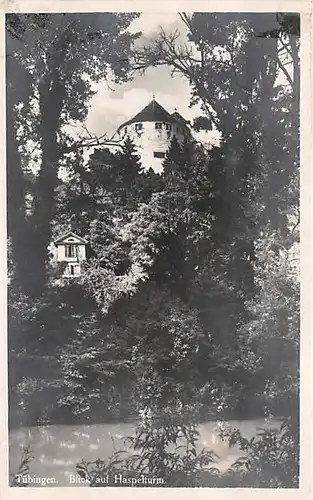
[[72, 270], [158, 154], [138, 127], [158, 125], [168, 127], [70, 251]]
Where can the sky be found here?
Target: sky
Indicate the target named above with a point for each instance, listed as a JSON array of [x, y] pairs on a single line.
[[109, 109]]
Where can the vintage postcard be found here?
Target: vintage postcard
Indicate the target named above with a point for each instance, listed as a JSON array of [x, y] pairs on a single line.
[[157, 169]]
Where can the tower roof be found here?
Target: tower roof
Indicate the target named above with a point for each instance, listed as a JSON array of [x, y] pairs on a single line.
[[179, 118], [153, 112]]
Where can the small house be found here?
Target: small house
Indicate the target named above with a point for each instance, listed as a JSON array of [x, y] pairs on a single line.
[[71, 249]]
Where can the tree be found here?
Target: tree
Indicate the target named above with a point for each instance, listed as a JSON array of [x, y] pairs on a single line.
[[61, 55], [233, 65], [187, 283], [232, 54], [174, 158], [239, 70], [128, 170], [19, 84], [272, 335]]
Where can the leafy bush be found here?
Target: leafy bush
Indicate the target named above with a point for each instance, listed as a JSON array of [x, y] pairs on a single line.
[[271, 459], [165, 447], [23, 468]]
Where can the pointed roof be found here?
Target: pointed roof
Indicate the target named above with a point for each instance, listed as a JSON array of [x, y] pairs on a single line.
[[179, 118], [153, 112], [70, 234]]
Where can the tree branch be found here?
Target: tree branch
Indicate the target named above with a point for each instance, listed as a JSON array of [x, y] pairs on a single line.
[[87, 143], [282, 67]]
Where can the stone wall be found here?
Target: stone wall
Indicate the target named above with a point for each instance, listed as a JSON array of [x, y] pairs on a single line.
[[150, 140]]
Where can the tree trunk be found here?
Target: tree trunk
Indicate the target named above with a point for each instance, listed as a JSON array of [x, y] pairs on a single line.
[[18, 228], [51, 97]]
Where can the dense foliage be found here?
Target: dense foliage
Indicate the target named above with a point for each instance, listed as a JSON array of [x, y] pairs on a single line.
[[52, 62], [188, 304]]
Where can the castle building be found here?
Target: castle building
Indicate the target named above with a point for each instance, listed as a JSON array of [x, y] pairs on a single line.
[[152, 130]]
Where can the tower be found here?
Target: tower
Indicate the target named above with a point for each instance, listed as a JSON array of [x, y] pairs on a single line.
[[152, 130]]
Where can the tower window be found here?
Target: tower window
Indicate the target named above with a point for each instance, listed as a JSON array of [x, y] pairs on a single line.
[[70, 251], [138, 127], [158, 154], [158, 125], [168, 127]]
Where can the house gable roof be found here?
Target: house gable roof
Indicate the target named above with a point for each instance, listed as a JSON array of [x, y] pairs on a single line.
[[153, 112], [60, 240]]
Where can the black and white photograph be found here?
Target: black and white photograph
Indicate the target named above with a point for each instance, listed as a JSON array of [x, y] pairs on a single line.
[[153, 249]]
